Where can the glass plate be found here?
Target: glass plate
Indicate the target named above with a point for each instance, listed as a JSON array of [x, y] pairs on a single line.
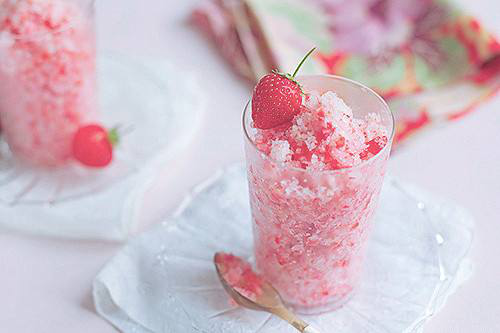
[[154, 110]]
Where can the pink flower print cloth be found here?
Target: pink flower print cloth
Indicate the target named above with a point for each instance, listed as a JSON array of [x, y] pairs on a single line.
[[429, 59]]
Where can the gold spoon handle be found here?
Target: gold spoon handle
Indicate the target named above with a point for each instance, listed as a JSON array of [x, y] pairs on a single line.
[[295, 321], [310, 329], [290, 317]]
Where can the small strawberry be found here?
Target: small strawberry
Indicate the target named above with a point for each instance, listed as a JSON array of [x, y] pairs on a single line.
[[93, 145], [277, 98]]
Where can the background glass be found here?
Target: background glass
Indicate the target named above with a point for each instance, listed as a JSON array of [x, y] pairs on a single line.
[[47, 76]]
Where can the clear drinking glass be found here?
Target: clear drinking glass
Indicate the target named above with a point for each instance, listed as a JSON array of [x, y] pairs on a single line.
[[47, 76], [310, 227]]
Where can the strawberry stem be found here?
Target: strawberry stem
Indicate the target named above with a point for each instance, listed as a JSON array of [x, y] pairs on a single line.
[[302, 62], [114, 136]]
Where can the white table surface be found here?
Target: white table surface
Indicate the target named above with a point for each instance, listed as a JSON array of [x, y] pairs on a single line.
[[45, 283]]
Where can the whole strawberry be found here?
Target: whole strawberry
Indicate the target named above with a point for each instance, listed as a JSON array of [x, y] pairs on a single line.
[[93, 145], [277, 98]]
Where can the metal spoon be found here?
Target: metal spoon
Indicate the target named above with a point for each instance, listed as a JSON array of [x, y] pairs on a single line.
[[269, 300]]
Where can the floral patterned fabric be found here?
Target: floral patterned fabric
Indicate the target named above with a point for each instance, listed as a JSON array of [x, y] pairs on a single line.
[[430, 60]]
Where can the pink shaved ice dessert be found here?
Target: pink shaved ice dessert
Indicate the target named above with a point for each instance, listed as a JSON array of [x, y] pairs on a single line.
[[314, 183], [324, 136], [239, 275], [47, 76]]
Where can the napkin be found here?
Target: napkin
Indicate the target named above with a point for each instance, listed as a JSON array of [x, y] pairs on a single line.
[[430, 59], [164, 281]]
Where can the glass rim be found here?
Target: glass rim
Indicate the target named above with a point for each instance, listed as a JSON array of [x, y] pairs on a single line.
[[331, 171], [87, 9]]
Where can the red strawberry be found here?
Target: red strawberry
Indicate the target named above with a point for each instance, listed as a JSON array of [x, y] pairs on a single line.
[[277, 98], [93, 145], [275, 101]]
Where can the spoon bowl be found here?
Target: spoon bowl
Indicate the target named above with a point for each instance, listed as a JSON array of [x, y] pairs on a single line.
[[266, 298]]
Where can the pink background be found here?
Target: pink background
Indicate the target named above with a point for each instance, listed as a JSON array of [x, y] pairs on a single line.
[[45, 283]]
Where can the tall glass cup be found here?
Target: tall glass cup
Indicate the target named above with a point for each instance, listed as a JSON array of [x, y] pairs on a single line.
[[47, 76], [311, 227]]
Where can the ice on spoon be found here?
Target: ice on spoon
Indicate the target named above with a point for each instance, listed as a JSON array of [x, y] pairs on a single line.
[[239, 275], [250, 290]]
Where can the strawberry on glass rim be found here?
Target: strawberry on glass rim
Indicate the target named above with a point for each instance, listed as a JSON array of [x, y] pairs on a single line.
[[277, 98], [93, 145]]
